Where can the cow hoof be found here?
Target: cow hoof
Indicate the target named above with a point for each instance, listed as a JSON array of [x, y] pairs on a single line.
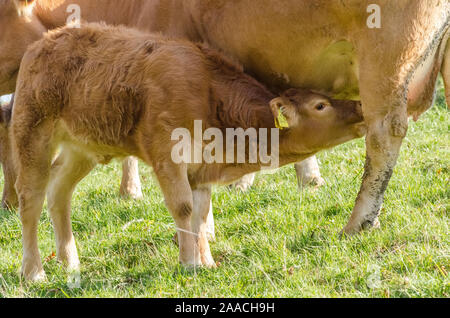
[[317, 181], [312, 181], [349, 231], [245, 182], [134, 194], [367, 225], [243, 186]]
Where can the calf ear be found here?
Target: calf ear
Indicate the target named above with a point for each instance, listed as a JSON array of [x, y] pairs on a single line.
[[25, 7], [282, 112]]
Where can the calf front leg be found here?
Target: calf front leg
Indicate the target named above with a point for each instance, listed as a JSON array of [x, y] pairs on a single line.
[[130, 186], [67, 171], [201, 209], [175, 186]]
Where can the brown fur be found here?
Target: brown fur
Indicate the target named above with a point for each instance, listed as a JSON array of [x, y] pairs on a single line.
[[104, 92]]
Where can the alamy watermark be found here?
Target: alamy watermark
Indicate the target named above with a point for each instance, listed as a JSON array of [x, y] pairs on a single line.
[[374, 19], [74, 18], [235, 146]]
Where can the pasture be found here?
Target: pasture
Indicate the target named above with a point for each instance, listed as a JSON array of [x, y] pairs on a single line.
[[270, 242]]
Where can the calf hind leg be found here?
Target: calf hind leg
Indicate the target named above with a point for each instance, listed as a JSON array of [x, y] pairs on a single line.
[[33, 154], [68, 169]]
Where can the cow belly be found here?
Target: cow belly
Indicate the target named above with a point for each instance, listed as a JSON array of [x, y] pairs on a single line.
[[329, 68]]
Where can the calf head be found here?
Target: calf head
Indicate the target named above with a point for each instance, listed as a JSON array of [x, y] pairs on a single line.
[[9, 199], [316, 122], [19, 27]]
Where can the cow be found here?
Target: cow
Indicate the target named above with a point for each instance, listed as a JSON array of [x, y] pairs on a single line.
[[49, 14], [335, 48], [150, 88], [391, 66]]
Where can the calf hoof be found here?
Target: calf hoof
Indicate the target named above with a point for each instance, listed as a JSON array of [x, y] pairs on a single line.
[[32, 269], [210, 264], [209, 235], [34, 276]]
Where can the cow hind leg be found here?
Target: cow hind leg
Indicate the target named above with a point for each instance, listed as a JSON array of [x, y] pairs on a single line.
[[130, 186], [245, 182], [308, 173], [67, 171]]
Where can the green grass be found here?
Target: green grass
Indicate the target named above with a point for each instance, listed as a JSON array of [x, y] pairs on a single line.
[[273, 241]]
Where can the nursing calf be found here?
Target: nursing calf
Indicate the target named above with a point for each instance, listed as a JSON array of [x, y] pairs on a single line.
[[101, 92]]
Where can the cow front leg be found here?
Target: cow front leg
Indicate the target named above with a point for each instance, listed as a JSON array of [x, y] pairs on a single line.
[[383, 142], [308, 173], [201, 209], [130, 186], [67, 171]]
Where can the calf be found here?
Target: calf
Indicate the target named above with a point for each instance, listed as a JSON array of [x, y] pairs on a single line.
[[101, 92]]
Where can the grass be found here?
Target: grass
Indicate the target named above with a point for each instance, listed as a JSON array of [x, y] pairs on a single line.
[[272, 241]]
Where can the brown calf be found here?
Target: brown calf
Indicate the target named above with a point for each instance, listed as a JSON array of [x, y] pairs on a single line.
[[101, 92]]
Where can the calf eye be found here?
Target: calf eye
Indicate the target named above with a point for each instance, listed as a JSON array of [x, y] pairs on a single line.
[[320, 107]]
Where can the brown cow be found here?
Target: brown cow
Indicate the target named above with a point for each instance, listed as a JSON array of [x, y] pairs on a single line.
[[147, 15], [102, 92], [326, 45], [26, 28]]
